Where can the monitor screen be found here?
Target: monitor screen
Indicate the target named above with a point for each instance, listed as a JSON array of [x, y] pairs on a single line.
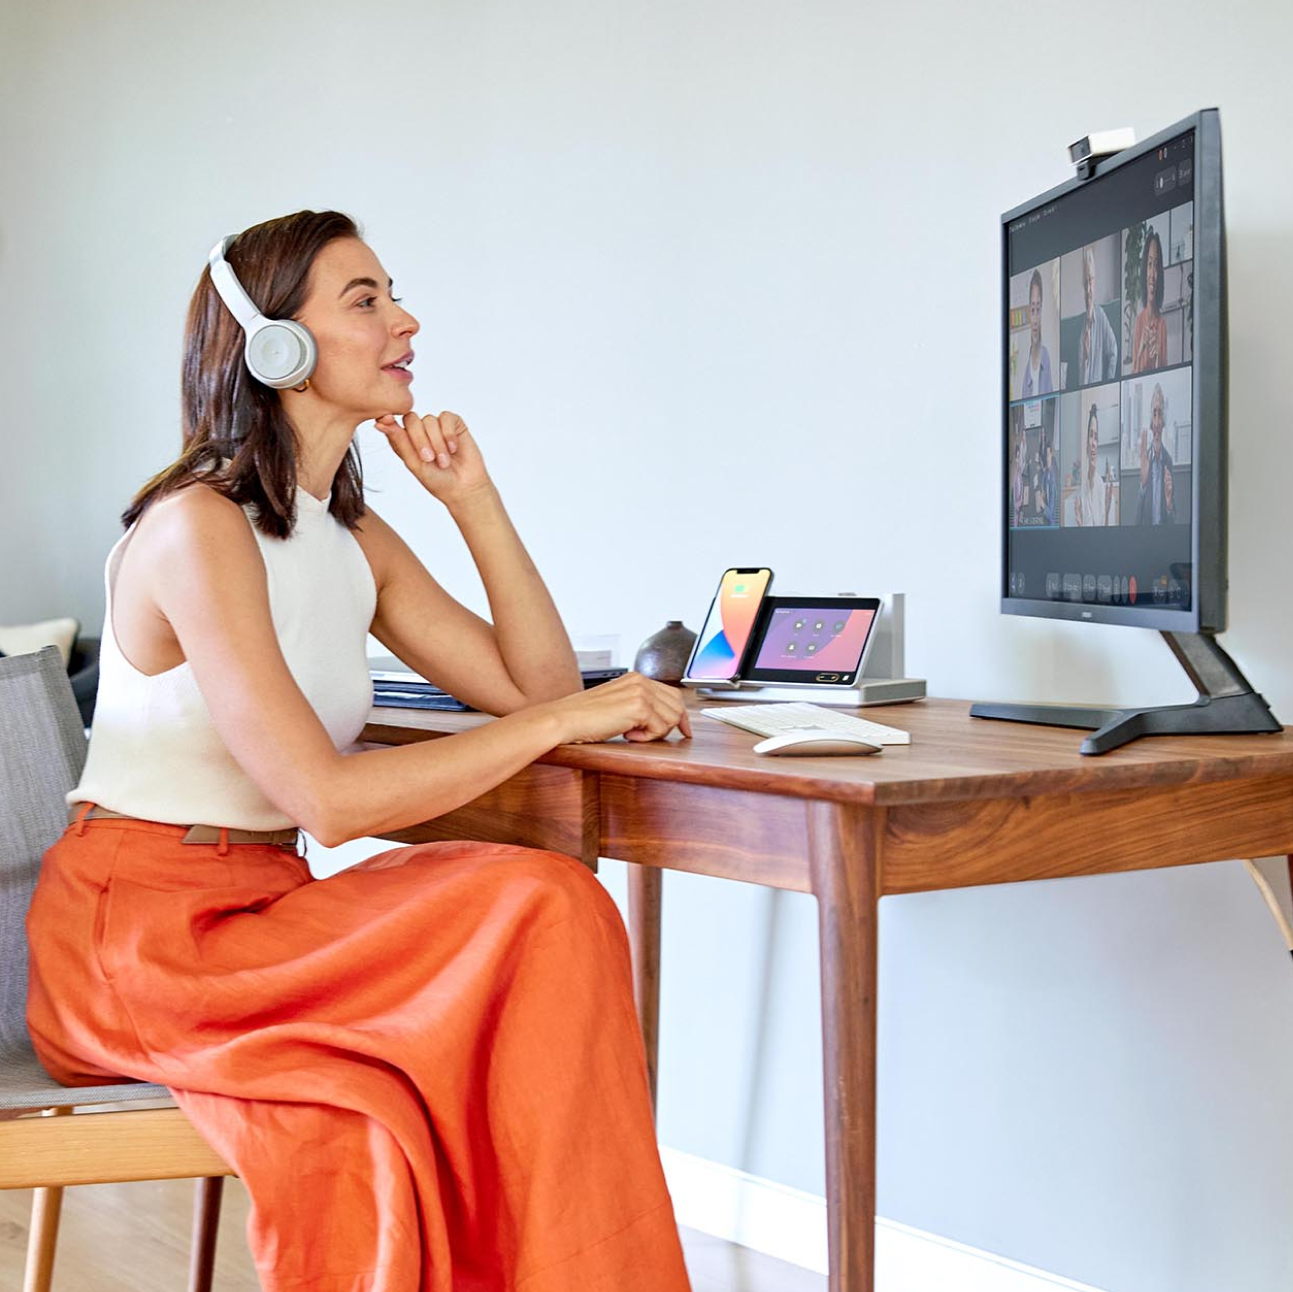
[[1100, 437]]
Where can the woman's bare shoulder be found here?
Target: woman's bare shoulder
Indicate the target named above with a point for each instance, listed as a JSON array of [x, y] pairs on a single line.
[[195, 501], [192, 542], [194, 509], [195, 532]]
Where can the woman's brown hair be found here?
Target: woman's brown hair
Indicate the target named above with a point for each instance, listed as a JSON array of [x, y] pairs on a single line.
[[227, 413]]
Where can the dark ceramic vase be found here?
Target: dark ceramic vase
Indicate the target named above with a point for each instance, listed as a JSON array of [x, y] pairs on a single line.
[[664, 655]]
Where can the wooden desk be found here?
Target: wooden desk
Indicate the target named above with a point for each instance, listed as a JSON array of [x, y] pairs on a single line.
[[968, 802]]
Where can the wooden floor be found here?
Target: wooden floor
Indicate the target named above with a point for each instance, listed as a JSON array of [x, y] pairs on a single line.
[[135, 1238]]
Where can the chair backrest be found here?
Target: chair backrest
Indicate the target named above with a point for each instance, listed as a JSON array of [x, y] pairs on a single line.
[[42, 752]]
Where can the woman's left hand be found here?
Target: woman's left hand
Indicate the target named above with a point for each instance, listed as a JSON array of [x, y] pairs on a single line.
[[439, 451]]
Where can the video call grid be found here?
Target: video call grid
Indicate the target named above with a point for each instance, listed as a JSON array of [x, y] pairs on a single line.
[[1130, 370], [1067, 427]]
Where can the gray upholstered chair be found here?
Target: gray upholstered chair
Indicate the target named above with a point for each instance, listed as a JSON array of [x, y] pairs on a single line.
[[42, 751], [83, 669]]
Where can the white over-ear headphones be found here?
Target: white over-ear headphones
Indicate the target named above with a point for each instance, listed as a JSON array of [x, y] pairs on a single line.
[[279, 352]]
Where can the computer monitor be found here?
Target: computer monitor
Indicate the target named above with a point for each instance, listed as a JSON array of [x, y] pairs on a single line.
[[1114, 410]]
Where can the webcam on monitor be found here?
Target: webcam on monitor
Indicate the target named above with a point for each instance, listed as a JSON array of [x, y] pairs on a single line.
[[1086, 152]]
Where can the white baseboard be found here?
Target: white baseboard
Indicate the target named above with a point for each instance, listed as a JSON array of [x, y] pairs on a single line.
[[790, 1225], [744, 1209]]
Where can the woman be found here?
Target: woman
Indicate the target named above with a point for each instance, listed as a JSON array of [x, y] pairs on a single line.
[[1149, 341], [1095, 496], [426, 1068], [1037, 371]]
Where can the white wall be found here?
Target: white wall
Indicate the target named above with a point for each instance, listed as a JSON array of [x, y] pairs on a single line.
[[718, 284]]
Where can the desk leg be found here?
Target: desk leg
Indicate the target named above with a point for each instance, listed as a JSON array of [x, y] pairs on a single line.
[[843, 843], [645, 894]]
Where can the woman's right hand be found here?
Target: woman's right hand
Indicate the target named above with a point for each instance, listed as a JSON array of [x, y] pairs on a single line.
[[631, 706]]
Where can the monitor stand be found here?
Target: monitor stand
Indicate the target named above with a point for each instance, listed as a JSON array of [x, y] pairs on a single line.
[[1227, 705]]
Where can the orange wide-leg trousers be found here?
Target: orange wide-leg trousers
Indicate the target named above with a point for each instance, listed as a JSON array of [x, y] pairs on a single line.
[[427, 1069]]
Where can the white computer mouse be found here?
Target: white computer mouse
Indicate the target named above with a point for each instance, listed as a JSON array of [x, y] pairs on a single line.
[[811, 741]]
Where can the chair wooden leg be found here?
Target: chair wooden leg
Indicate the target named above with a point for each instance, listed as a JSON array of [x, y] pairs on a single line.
[[645, 896], [206, 1222], [46, 1206], [42, 1239]]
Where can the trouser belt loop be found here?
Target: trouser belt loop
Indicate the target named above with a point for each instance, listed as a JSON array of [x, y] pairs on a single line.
[[80, 818], [222, 849]]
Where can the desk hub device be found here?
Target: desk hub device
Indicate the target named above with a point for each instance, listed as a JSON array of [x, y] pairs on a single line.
[[785, 634]]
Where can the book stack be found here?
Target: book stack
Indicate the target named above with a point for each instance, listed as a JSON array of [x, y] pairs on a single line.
[[397, 686]]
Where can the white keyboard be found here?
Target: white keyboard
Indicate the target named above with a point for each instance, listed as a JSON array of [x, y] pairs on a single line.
[[774, 719]]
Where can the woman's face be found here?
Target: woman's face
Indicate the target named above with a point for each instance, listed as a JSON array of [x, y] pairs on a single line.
[[1152, 271], [1035, 313], [362, 332], [1092, 441], [1156, 418]]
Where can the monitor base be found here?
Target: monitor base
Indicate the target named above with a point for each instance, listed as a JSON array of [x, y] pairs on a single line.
[[1227, 704]]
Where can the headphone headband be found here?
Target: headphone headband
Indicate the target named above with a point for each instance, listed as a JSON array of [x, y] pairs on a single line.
[[279, 352], [231, 290]]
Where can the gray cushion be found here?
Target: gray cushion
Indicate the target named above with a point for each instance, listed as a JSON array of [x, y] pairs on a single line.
[[42, 752], [24, 1084]]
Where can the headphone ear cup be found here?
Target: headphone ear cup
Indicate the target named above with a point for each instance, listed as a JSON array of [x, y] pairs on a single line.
[[281, 353]]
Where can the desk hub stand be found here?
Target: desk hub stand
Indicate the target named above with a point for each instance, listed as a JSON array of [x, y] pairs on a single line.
[[1227, 704], [881, 681]]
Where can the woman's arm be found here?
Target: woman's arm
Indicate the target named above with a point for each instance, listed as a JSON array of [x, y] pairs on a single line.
[[436, 635], [208, 580], [528, 636], [531, 638], [381, 790]]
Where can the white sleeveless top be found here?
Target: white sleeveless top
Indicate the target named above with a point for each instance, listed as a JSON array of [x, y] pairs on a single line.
[[154, 752]]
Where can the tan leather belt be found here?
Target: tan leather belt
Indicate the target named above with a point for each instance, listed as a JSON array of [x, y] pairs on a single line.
[[197, 833]]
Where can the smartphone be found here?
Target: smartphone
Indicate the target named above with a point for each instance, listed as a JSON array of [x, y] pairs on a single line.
[[720, 648]]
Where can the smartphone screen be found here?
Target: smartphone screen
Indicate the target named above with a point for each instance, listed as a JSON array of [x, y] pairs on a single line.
[[728, 626]]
